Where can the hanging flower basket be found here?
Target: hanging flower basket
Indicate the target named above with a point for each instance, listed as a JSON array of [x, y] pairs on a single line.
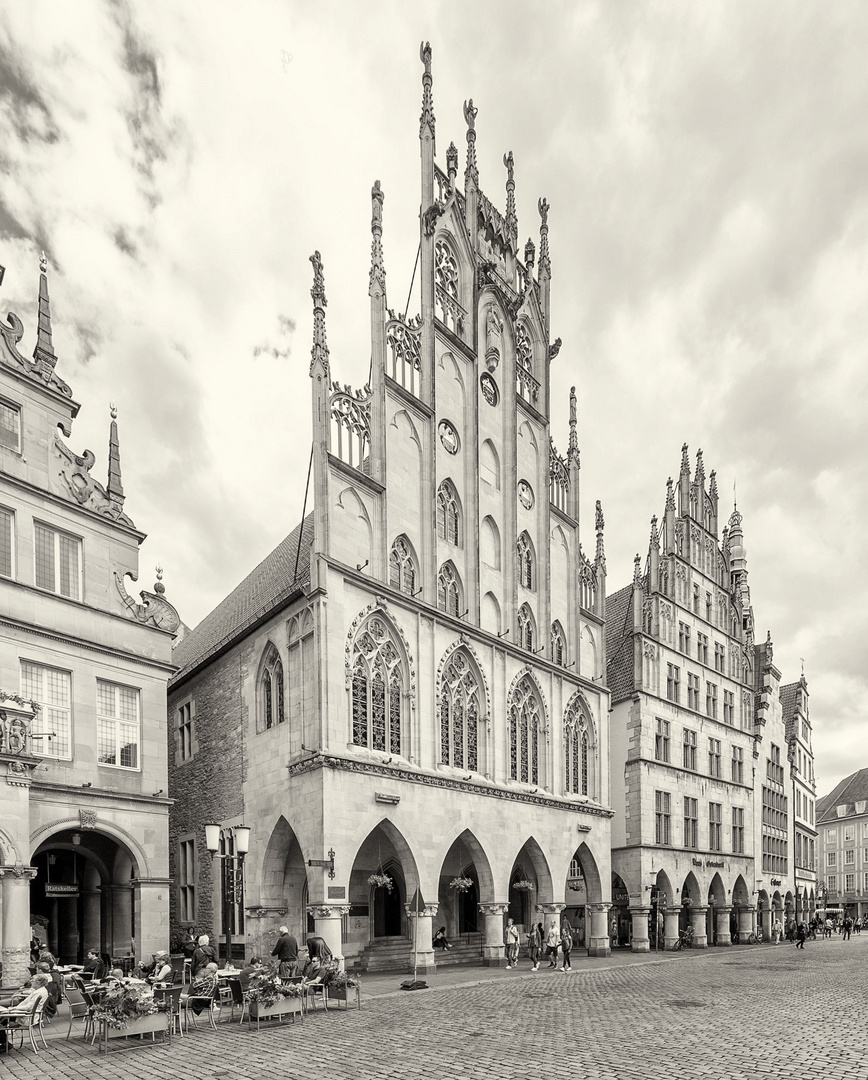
[[461, 884], [381, 881], [523, 886]]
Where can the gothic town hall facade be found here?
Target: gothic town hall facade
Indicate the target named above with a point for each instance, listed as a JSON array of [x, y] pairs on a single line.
[[398, 691]]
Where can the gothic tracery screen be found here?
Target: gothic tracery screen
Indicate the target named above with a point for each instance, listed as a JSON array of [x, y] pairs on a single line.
[[459, 714], [377, 699], [524, 722]]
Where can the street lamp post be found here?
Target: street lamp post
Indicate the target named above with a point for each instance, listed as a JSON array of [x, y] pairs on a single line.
[[233, 875]]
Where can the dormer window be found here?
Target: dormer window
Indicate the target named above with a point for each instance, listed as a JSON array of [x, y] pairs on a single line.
[[10, 426]]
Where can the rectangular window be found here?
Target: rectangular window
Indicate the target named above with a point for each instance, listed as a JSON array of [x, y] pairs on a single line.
[[673, 685], [831, 858], [688, 749], [715, 824], [10, 426], [714, 757], [864, 828], [708, 607], [728, 707], [738, 830], [696, 599], [117, 725], [832, 882], [711, 700], [684, 638], [865, 881], [849, 857], [7, 535], [849, 883], [719, 657], [58, 561], [187, 881], [661, 740], [702, 648], [849, 833], [831, 836], [51, 689], [737, 765], [693, 691], [691, 822], [661, 817], [185, 731]]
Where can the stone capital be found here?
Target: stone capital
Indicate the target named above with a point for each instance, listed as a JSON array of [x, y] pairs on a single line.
[[328, 911], [697, 909], [494, 909], [18, 875], [549, 909], [640, 911], [722, 910], [427, 911], [598, 907]]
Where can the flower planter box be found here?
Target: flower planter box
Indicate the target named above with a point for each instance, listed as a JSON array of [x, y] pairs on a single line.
[[287, 1006], [345, 994], [143, 1025]]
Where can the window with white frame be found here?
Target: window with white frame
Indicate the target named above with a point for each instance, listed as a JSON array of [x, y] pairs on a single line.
[[865, 881], [831, 858], [7, 538], [57, 561], [10, 426], [849, 882], [184, 720], [849, 857], [117, 725], [187, 880], [831, 836], [51, 689], [832, 882], [849, 833]]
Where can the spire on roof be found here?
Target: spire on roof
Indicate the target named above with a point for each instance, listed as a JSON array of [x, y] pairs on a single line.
[[712, 490], [700, 468], [600, 525], [319, 353], [44, 353], [511, 217], [544, 260], [655, 535], [670, 495], [377, 279], [426, 120], [573, 448], [471, 172], [115, 488], [685, 460], [637, 570], [452, 164]]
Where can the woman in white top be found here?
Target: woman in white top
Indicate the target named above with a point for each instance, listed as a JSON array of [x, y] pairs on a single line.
[[36, 993], [162, 969]]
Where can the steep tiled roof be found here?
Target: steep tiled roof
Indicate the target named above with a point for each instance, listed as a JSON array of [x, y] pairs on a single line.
[[852, 789], [263, 590], [789, 699], [619, 643]]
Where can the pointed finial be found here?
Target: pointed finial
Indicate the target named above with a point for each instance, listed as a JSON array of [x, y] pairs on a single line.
[[712, 490], [600, 525], [573, 449], [43, 353], [655, 535], [685, 460], [637, 570], [320, 351], [426, 120], [670, 495], [700, 468], [529, 255], [734, 503], [770, 649], [599, 520], [452, 163], [159, 587], [545, 264], [511, 217], [471, 172], [377, 278], [115, 487], [43, 264]]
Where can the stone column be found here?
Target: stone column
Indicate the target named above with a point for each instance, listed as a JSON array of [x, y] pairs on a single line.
[[421, 937], [697, 921], [91, 935], [641, 941], [493, 949], [69, 939], [15, 882], [764, 929], [724, 934], [118, 944], [745, 927], [151, 914], [327, 922], [671, 918], [598, 939]]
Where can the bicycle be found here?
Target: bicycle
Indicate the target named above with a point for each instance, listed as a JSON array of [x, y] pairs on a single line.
[[754, 939], [685, 940]]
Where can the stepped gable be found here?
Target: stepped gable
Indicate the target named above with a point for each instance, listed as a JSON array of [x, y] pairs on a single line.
[[261, 592], [619, 647], [852, 789]]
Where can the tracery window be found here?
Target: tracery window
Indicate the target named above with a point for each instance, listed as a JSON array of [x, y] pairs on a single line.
[[526, 567], [559, 645], [460, 710], [448, 590], [378, 704], [448, 514], [271, 690], [588, 586], [577, 750], [526, 629], [446, 269], [402, 567], [523, 347], [524, 724]]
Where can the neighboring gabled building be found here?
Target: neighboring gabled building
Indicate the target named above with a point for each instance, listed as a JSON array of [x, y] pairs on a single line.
[[410, 690], [83, 672], [842, 827], [800, 752]]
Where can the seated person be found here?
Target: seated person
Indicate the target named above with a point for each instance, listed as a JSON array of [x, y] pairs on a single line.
[[203, 989], [48, 966], [116, 975], [162, 971], [440, 941], [145, 968], [249, 970], [38, 993], [203, 955], [318, 954], [94, 966]]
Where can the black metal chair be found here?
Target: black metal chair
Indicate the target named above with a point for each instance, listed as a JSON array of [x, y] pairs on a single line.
[[172, 996]]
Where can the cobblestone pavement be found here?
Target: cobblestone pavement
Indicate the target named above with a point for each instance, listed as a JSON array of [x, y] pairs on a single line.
[[744, 1013]]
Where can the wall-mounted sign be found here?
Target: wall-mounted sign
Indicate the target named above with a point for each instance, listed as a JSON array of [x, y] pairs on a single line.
[[52, 889], [337, 892]]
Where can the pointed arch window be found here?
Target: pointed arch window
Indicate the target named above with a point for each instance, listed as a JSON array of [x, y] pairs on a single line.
[[460, 713], [523, 347], [402, 567], [377, 693], [271, 690], [526, 562], [526, 629], [559, 645], [448, 514], [446, 269], [577, 749], [524, 725], [588, 586], [449, 590]]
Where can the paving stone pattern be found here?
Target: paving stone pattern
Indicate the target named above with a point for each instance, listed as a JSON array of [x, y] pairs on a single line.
[[746, 1013]]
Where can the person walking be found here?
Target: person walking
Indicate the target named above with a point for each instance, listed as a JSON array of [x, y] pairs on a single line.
[[534, 945], [776, 931], [566, 947], [846, 927], [286, 951], [512, 942], [553, 940], [801, 934], [827, 927]]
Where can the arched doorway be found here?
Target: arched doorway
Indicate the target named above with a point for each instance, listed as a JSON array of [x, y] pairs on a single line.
[[691, 896], [382, 881], [530, 884], [620, 922], [84, 895], [583, 887], [662, 898], [763, 915], [282, 887], [716, 901], [460, 888]]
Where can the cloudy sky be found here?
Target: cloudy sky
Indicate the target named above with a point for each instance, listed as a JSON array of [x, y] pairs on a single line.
[[705, 166]]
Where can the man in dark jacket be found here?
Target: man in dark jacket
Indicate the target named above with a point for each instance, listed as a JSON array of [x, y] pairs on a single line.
[[286, 951], [203, 956]]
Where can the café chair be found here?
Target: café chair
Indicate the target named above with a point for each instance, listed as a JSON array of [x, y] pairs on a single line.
[[30, 1020], [172, 996], [78, 1010], [212, 999]]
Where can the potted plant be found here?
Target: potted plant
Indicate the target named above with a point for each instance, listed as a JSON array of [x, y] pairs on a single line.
[[341, 985], [269, 996], [129, 1009]]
